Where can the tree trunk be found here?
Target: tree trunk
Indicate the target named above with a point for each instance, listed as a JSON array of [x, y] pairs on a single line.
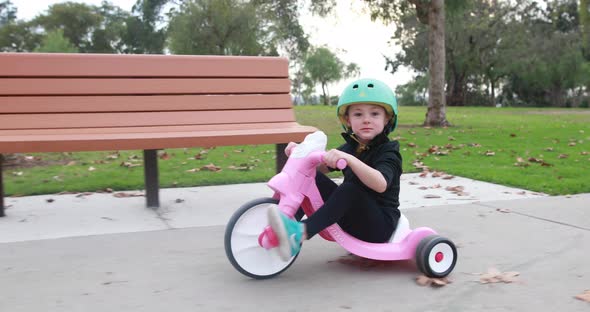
[[493, 93], [325, 94], [436, 115], [456, 90]]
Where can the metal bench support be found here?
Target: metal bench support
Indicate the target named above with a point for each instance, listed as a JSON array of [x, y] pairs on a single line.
[[1, 189], [281, 157], [150, 168]]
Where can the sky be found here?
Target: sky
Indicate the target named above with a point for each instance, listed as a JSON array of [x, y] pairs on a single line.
[[347, 32]]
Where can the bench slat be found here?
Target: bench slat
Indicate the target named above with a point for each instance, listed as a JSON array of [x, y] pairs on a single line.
[[237, 135], [121, 65], [146, 129], [91, 86], [71, 104], [138, 119]]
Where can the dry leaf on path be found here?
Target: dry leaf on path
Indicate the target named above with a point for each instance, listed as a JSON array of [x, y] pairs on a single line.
[[211, 167], [124, 195], [495, 276], [424, 280], [431, 196], [585, 296]]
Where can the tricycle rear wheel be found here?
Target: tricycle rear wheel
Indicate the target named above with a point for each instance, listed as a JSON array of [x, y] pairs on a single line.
[[436, 256]]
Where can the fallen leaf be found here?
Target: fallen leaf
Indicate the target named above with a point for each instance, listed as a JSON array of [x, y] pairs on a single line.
[[211, 167], [512, 135], [241, 168], [451, 138], [164, 156], [572, 144], [438, 174], [448, 177], [179, 200], [490, 153], [412, 144], [563, 156], [193, 170], [128, 164], [457, 188], [503, 210], [584, 153], [585, 296], [71, 163], [17, 173], [91, 168], [495, 276], [413, 183], [431, 196], [113, 156], [124, 194], [424, 280], [549, 149], [50, 200]]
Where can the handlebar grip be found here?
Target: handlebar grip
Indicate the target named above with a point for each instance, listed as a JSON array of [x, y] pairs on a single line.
[[341, 164]]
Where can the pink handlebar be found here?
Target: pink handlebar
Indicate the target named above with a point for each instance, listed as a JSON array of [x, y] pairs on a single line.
[[340, 164]]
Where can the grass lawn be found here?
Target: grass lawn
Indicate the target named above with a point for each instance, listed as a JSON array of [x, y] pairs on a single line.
[[543, 150]]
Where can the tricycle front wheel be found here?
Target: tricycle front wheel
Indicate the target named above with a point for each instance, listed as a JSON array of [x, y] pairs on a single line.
[[241, 241], [436, 256]]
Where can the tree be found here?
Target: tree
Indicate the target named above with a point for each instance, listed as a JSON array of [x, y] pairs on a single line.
[[89, 28], [7, 12], [283, 22], [324, 67], [585, 24], [220, 27], [141, 34], [77, 20], [15, 35], [56, 42], [431, 13]]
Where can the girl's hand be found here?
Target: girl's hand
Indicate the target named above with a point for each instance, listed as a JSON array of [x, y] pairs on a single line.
[[289, 148], [333, 156]]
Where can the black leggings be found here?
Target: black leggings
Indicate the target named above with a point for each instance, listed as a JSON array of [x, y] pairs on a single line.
[[353, 208]]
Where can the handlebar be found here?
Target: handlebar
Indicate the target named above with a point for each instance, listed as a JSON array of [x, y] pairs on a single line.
[[340, 164]]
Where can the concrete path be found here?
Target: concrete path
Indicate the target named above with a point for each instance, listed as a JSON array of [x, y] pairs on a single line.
[[56, 216], [174, 260]]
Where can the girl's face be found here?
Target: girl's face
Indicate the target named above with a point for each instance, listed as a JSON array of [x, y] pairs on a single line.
[[366, 120]]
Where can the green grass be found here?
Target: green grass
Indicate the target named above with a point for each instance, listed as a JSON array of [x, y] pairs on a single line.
[[546, 135]]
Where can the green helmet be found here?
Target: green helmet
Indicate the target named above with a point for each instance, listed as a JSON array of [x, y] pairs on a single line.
[[368, 91]]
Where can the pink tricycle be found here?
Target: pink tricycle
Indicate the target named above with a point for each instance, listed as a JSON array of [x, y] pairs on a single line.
[[250, 241]]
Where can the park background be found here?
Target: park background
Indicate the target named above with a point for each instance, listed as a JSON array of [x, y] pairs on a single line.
[[516, 82]]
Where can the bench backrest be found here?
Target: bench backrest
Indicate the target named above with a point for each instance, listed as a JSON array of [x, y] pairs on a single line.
[[81, 91]]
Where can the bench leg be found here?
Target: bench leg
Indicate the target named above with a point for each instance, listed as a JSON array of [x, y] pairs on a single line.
[[150, 168], [1, 189], [281, 157]]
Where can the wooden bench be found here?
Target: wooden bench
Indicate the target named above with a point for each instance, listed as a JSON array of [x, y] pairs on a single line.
[[100, 102]]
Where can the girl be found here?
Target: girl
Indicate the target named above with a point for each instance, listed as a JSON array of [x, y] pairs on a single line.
[[366, 204]]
